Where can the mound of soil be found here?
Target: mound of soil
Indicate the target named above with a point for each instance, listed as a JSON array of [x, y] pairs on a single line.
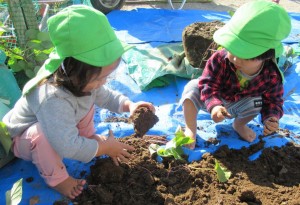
[[198, 44], [271, 179]]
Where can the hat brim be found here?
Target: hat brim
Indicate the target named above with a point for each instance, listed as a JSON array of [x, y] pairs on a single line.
[[102, 56], [48, 68], [239, 47]]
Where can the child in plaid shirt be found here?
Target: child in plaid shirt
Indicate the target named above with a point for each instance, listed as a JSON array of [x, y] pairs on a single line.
[[243, 79]]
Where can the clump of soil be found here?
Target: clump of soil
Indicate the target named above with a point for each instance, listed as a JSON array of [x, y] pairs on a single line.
[[198, 44], [143, 120], [271, 179]]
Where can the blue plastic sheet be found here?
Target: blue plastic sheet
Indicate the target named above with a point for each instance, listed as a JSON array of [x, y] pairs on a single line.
[[149, 28]]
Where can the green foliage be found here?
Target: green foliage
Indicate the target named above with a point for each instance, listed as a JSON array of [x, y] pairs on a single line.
[[222, 174], [173, 147], [31, 58], [5, 139], [14, 196], [231, 13]]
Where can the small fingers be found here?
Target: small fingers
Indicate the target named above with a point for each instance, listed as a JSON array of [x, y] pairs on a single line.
[[115, 160], [110, 133], [268, 130], [147, 104], [126, 154], [190, 146], [128, 147], [122, 158]]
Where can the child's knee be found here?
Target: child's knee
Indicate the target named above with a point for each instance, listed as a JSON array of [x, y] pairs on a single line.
[[35, 134]]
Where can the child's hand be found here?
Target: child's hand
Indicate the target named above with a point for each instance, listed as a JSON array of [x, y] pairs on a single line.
[[192, 135], [134, 106], [271, 125], [118, 151], [219, 113]]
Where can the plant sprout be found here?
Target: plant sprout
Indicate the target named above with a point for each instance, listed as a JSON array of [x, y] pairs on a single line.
[[222, 174], [173, 147], [14, 196]]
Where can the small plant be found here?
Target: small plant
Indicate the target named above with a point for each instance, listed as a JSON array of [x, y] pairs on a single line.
[[222, 174], [36, 51], [173, 147], [30, 58], [14, 196], [5, 138]]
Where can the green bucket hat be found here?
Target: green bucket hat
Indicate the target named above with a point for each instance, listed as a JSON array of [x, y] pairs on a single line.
[[254, 28], [81, 32]]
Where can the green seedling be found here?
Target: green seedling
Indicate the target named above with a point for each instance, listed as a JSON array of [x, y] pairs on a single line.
[[30, 58], [222, 174], [173, 147], [5, 139], [14, 196]]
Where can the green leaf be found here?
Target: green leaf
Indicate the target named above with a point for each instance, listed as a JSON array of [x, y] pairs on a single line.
[[231, 13], [31, 34], [222, 174], [17, 66], [174, 146], [14, 196], [8, 197], [41, 57], [161, 151], [48, 51], [29, 73], [5, 138], [35, 45], [183, 141], [46, 45], [176, 154], [43, 36], [36, 69]]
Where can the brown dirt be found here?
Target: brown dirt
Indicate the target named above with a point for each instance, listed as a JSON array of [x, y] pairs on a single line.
[[272, 179], [143, 120], [198, 44]]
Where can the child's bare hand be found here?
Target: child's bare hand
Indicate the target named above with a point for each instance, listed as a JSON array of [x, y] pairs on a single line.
[[192, 135], [100, 138], [118, 151], [219, 113], [134, 106], [271, 125]]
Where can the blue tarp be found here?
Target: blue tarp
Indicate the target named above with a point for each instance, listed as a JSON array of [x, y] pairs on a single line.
[[148, 28]]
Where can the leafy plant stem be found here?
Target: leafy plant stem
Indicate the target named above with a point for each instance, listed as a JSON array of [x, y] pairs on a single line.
[[9, 50]]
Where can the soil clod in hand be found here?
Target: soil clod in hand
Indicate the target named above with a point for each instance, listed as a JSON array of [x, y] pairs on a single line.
[[143, 120]]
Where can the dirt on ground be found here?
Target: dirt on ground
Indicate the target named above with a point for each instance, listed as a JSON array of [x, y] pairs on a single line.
[[273, 178]]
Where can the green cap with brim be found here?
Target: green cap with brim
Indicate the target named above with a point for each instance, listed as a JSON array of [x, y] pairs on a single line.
[[83, 33], [254, 28]]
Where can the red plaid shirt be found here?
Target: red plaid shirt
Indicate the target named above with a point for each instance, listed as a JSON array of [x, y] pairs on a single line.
[[219, 80]]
